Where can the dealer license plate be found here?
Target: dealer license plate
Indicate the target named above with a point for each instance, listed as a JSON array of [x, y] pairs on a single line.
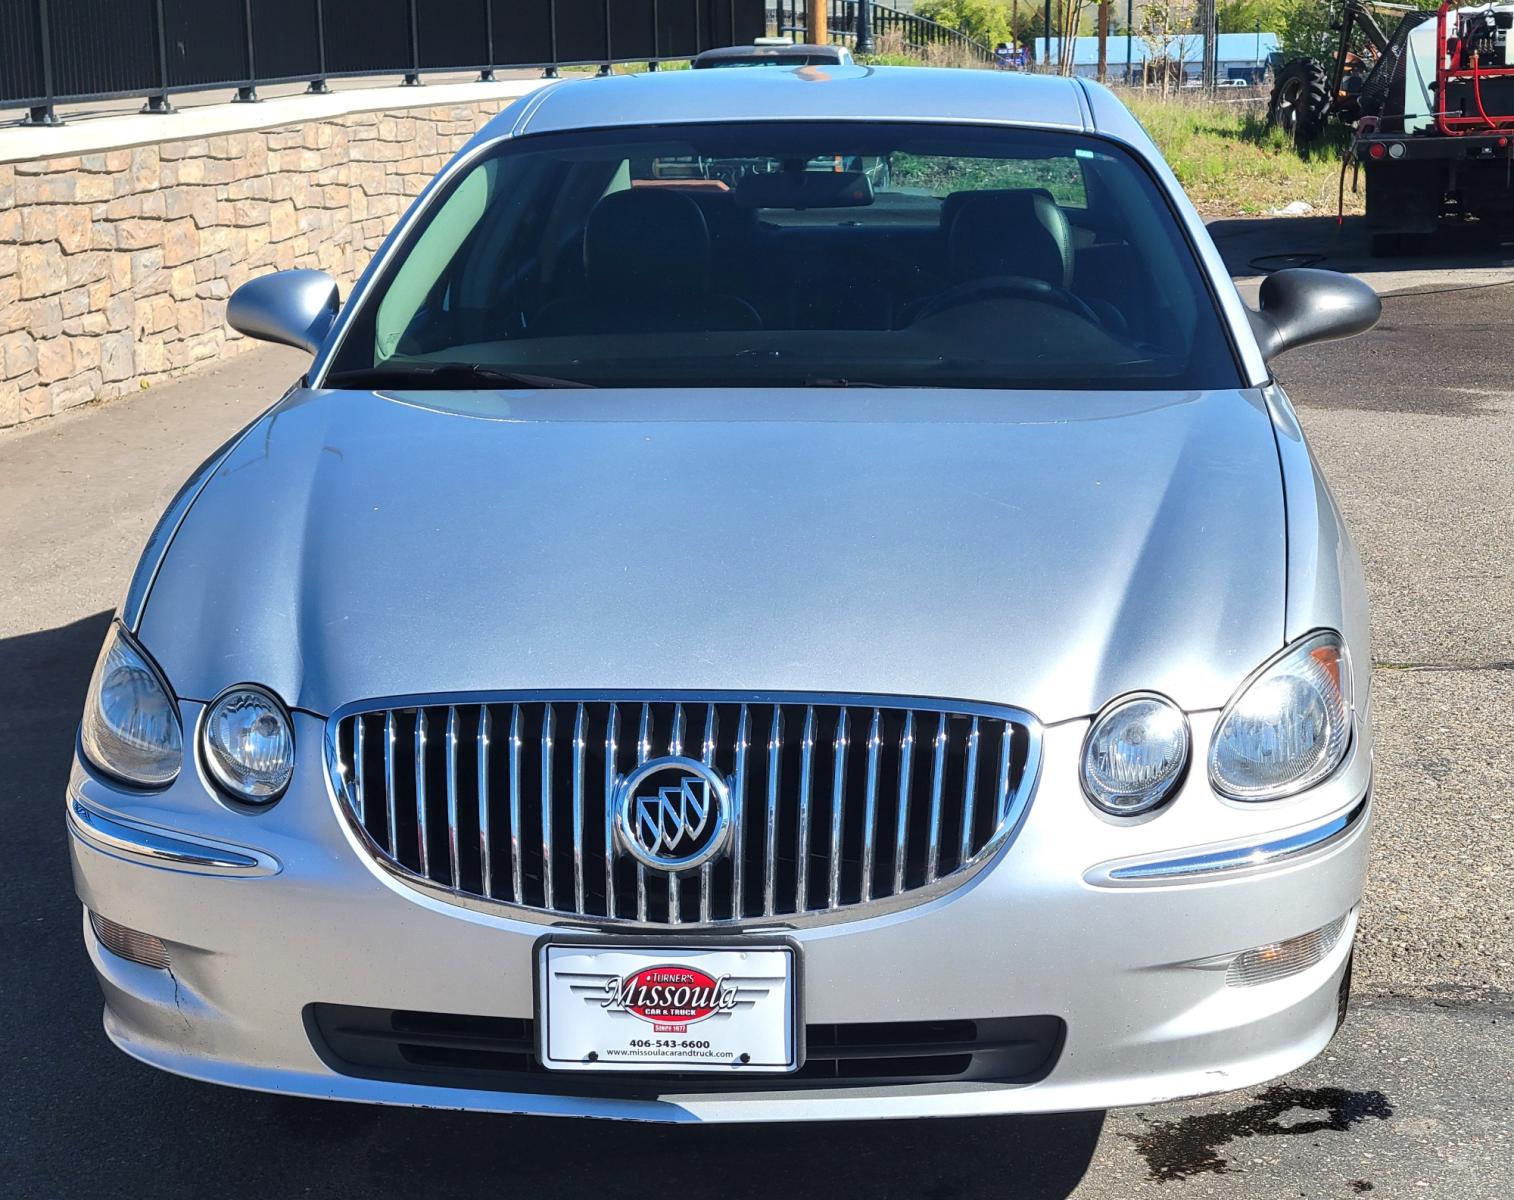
[[613, 1007]]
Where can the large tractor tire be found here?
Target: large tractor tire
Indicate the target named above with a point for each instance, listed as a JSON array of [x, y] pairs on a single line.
[[1300, 103]]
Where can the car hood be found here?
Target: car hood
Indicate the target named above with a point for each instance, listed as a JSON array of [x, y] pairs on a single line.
[[1035, 549]]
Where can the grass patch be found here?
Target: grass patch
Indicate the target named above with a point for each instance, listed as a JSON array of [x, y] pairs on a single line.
[[1231, 162], [891, 50], [641, 68]]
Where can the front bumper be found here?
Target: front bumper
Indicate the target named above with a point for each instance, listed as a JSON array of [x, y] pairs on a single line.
[[1127, 962]]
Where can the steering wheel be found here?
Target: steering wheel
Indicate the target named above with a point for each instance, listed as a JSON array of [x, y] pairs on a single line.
[[1016, 287]]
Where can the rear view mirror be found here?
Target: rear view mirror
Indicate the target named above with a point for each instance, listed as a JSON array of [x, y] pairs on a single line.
[[805, 189], [1303, 305], [292, 308]]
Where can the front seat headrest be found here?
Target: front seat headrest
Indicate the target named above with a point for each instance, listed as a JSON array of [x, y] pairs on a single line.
[[1012, 232], [649, 238]]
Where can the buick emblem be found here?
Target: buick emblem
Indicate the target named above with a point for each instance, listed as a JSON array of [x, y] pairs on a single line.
[[672, 814]]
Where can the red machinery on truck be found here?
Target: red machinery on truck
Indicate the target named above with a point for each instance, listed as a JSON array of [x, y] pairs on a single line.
[[1432, 110]]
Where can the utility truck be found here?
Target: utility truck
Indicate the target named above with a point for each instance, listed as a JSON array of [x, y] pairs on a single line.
[[1431, 109]]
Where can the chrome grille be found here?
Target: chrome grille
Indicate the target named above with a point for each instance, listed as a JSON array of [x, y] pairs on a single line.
[[837, 803]]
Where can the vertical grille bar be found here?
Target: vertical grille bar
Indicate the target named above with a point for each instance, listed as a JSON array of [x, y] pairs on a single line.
[[548, 724], [421, 830], [901, 824], [517, 874], [770, 848], [707, 756], [838, 807], [969, 794], [391, 786], [485, 864], [937, 782], [675, 738], [675, 880], [612, 783], [359, 795], [738, 815], [643, 752], [454, 846], [870, 804], [1006, 747], [578, 810], [806, 797]]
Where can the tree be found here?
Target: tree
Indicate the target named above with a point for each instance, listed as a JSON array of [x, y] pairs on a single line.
[[1304, 27], [1305, 30], [986, 20], [1243, 16], [1028, 24], [1068, 16], [1161, 26]]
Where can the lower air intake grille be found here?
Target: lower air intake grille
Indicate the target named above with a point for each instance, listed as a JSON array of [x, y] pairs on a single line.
[[498, 1054], [838, 805]]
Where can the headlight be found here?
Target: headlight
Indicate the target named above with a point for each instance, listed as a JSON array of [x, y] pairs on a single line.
[[249, 744], [1288, 727], [1135, 754], [131, 724]]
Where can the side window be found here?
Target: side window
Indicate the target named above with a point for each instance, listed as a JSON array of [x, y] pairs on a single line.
[[429, 257]]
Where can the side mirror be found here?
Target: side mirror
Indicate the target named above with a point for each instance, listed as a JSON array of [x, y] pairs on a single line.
[[293, 308], [1303, 305]]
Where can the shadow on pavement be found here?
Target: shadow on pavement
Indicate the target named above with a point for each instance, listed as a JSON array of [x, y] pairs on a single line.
[[82, 1120], [1257, 245]]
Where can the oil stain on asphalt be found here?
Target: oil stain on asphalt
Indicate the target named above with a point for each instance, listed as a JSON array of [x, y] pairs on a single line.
[[1190, 1146]]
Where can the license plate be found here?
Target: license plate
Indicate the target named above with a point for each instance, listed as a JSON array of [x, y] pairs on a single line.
[[613, 1007]]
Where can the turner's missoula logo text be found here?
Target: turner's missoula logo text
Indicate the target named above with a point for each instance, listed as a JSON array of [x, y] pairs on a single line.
[[671, 998]]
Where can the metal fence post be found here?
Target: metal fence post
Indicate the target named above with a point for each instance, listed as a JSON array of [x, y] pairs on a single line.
[[413, 75], [1129, 42], [487, 74], [318, 85], [551, 72], [248, 93], [43, 114], [158, 101], [865, 27], [656, 38], [604, 67]]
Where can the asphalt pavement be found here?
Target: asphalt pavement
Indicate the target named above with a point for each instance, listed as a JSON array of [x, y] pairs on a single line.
[[1413, 423]]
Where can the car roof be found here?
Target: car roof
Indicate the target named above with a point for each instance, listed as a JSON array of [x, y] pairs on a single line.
[[843, 93]]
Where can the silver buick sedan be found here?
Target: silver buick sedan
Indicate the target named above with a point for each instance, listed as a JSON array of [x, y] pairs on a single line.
[[782, 595]]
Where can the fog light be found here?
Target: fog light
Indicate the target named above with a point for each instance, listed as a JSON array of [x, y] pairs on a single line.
[[1279, 960], [129, 943]]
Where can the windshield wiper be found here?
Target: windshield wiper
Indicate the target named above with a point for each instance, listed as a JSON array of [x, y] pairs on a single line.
[[443, 376]]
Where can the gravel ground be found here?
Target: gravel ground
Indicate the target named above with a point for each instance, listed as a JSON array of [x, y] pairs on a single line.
[[1413, 424]]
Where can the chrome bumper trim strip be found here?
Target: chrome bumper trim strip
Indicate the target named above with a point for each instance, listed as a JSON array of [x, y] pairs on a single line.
[[1227, 859], [157, 847]]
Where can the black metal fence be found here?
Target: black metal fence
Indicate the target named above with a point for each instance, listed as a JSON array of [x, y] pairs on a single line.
[[917, 34], [54, 51]]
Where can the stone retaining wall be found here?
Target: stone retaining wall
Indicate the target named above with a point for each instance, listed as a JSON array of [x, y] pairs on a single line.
[[115, 266]]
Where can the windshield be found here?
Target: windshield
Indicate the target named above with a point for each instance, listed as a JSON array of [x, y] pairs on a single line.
[[794, 254]]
